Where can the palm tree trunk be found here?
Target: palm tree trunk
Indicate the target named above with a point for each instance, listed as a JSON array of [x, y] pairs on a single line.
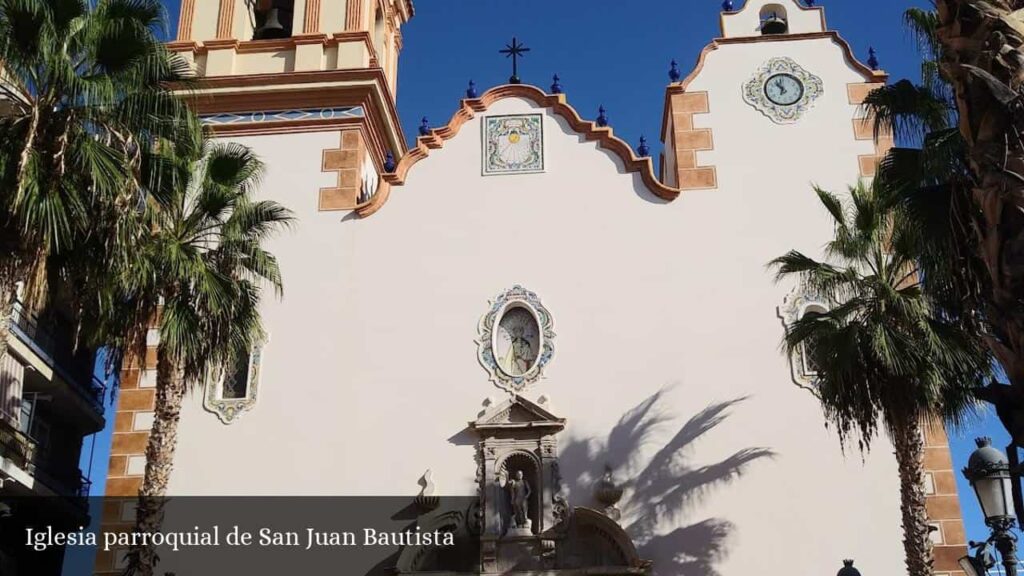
[[909, 443], [11, 272], [163, 439], [984, 36], [7, 298]]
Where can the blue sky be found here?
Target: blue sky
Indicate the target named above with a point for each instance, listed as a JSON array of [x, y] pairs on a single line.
[[616, 54]]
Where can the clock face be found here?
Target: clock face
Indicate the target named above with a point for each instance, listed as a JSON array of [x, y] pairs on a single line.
[[784, 89], [517, 342]]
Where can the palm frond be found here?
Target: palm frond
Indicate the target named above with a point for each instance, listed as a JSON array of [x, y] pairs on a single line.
[[907, 111], [923, 26]]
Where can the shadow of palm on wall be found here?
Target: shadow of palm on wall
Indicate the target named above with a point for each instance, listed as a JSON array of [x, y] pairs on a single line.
[[661, 485]]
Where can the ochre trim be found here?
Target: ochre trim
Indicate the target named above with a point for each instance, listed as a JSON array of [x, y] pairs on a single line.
[[346, 162], [871, 76], [687, 140], [277, 45], [312, 20], [220, 44], [557, 103], [185, 45], [185, 16], [226, 19], [863, 129], [353, 15], [722, 16], [942, 501]]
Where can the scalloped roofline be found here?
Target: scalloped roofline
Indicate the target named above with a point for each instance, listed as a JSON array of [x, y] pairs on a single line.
[[869, 75], [470, 107]]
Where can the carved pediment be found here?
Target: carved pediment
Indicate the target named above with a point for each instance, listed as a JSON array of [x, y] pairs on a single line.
[[518, 412]]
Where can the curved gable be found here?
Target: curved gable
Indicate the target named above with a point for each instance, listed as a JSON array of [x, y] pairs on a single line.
[[556, 104]]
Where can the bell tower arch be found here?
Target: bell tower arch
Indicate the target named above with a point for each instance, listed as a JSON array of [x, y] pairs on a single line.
[[287, 66], [376, 22]]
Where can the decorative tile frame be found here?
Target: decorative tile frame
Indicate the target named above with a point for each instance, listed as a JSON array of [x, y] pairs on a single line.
[[227, 118], [754, 90], [515, 297], [230, 409], [524, 132], [793, 307]]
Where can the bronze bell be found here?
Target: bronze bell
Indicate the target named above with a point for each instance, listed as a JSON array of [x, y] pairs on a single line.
[[272, 27], [774, 24]]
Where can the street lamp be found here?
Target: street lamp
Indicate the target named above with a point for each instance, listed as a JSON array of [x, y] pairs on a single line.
[[989, 473]]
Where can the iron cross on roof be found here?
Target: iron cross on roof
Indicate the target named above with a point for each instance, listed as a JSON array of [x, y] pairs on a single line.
[[514, 51]]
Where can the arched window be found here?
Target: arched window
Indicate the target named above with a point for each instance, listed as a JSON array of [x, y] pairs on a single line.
[[774, 19], [379, 33], [805, 361], [236, 379], [234, 392], [797, 305]]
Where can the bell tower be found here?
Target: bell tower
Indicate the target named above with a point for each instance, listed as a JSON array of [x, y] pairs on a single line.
[[287, 66], [774, 80]]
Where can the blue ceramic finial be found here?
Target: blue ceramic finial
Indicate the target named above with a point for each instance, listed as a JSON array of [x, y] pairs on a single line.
[[602, 118], [673, 73], [872, 59], [389, 162], [727, 6], [425, 127], [556, 87], [643, 149], [471, 91]]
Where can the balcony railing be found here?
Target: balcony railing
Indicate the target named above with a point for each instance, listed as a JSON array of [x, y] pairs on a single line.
[[16, 446], [24, 452], [72, 486], [52, 341]]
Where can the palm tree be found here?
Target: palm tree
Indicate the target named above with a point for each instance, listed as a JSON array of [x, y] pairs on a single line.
[[198, 270], [961, 188], [981, 57], [885, 357], [926, 181], [84, 96], [973, 163]]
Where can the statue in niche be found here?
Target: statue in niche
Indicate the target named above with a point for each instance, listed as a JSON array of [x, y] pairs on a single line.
[[519, 495]]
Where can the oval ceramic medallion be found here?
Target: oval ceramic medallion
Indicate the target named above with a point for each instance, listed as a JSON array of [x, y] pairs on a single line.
[[515, 339]]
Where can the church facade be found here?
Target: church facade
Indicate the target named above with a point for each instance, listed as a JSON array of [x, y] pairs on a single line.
[[523, 309]]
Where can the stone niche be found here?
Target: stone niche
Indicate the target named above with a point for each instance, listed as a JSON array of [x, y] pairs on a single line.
[[511, 529]]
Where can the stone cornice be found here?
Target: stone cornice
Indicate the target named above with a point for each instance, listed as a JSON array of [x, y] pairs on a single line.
[[367, 88]]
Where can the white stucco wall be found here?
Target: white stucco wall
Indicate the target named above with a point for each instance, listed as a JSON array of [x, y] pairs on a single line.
[[371, 375]]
